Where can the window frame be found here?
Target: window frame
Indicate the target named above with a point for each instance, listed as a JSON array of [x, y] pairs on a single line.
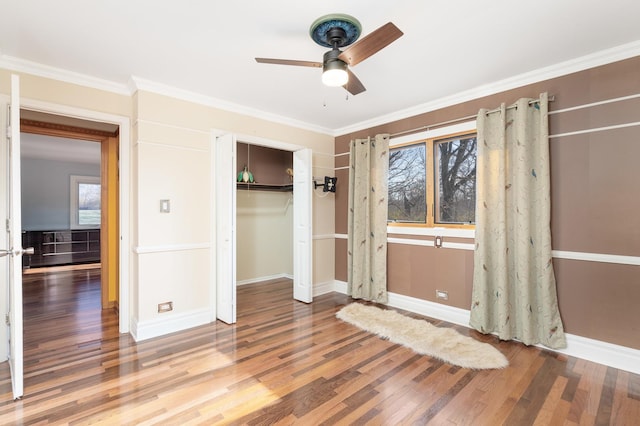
[[74, 182], [429, 137]]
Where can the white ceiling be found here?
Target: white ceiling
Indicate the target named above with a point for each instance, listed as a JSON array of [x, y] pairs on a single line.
[[207, 47]]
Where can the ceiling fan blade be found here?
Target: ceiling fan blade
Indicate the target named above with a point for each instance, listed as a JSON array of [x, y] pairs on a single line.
[[372, 43], [289, 62], [354, 85]]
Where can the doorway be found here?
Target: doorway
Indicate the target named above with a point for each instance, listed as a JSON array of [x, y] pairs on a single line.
[[78, 160], [12, 338]]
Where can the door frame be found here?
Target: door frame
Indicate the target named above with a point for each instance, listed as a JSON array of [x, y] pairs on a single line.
[[261, 141], [107, 175], [124, 282]]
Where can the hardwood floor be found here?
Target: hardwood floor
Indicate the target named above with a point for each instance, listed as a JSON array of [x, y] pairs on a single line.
[[284, 362]]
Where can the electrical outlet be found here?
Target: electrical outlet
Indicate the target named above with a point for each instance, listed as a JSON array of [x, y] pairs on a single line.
[[442, 294], [165, 307]]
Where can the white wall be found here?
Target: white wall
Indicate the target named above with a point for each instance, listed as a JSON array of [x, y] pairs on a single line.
[[46, 192], [173, 250]]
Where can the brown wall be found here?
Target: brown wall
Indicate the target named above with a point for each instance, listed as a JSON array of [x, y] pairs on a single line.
[[595, 185], [268, 165]]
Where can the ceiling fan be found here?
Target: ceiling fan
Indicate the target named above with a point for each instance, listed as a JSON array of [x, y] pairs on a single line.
[[339, 31]]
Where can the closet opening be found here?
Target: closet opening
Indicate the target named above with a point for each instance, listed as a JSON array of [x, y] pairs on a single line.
[[264, 214]]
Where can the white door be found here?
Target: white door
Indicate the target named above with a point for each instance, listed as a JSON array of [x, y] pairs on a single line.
[[225, 186], [302, 224], [14, 250]]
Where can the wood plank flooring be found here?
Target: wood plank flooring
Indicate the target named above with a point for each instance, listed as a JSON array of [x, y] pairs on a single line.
[[284, 362]]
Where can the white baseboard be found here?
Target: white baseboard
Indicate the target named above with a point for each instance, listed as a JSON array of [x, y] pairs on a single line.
[[318, 288], [323, 288], [616, 356], [266, 278], [430, 309], [169, 323], [340, 287]]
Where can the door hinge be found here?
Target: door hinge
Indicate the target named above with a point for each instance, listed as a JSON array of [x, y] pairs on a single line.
[[8, 223], [6, 319]]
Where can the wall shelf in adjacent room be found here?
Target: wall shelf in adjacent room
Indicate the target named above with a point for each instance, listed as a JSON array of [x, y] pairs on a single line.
[[61, 247]]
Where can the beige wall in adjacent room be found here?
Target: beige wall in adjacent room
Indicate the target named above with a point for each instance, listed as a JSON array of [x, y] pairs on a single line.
[[595, 182]]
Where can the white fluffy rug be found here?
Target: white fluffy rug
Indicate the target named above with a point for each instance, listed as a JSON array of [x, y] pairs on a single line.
[[423, 337]]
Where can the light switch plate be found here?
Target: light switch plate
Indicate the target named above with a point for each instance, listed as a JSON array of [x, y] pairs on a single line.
[[165, 206]]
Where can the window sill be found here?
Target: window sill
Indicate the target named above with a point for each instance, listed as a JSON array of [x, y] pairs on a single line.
[[432, 232]]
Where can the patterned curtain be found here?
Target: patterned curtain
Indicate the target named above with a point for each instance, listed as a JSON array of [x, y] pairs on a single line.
[[367, 227], [514, 287]]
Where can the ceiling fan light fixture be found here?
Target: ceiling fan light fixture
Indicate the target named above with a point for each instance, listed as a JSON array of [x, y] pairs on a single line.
[[335, 74], [335, 78]]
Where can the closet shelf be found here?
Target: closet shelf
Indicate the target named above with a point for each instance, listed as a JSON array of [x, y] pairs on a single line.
[[265, 187]]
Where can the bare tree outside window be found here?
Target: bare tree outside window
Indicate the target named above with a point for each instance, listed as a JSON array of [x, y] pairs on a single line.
[[456, 177], [407, 184]]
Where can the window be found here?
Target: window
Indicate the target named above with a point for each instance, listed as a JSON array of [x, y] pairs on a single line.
[[408, 184], [432, 181], [455, 172], [85, 202]]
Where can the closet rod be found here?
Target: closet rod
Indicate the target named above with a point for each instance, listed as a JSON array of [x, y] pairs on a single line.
[[459, 120]]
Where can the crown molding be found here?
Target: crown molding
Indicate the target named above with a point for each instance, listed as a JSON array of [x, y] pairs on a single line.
[[28, 67], [135, 83], [582, 63], [138, 83]]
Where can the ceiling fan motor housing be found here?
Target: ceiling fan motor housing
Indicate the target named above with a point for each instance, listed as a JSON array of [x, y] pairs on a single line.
[[331, 56]]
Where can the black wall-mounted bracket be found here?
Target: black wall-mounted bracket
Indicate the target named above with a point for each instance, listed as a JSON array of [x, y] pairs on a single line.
[[329, 184]]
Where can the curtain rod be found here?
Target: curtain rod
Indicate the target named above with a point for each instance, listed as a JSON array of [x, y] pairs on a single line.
[[459, 120]]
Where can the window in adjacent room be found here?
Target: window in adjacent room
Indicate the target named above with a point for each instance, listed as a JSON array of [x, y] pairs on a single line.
[[85, 202], [432, 181]]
